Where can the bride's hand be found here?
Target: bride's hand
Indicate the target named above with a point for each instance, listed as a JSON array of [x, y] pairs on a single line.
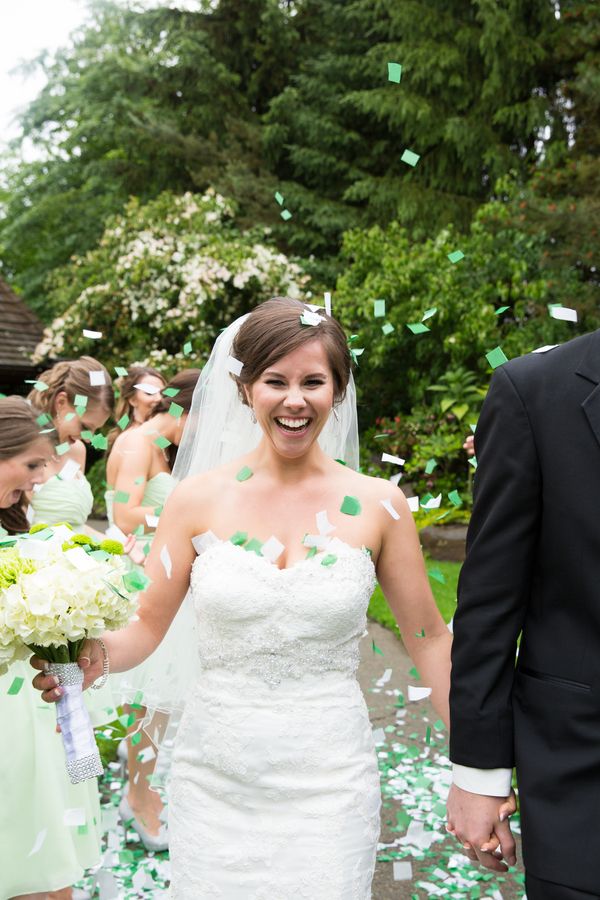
[[90, 659]]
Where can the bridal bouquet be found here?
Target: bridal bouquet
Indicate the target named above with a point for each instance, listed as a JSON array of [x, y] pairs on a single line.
[[58, 588]]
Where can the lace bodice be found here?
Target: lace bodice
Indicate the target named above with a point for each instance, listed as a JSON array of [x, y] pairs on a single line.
[[273, 623]]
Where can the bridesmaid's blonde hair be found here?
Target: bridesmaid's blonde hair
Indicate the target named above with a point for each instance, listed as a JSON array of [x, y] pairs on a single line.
[[73, 377]]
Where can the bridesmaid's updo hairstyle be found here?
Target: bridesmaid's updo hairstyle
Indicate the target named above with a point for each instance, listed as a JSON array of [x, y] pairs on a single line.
[[73, 377], [184, 382], [273, 329], [18, 431]]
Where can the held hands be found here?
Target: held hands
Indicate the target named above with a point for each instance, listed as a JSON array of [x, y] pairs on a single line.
[[134, 551], [482, 827], [90, 660]]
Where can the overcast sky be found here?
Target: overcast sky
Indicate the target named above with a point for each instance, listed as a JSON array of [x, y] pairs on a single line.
[[26, 28]]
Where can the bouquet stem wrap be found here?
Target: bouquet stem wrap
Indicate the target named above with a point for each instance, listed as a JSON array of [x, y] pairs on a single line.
[[83, 759]]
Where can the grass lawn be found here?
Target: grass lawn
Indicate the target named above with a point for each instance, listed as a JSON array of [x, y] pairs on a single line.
[[443, 577]]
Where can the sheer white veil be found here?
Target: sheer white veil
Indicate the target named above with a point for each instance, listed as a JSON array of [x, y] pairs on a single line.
[[220, 428]]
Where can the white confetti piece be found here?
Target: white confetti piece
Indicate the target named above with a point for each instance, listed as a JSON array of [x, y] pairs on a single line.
[[324, 526], [114, 533], [74, 817], [395, 479], [234, 365], [202, 542], [94, 335], [433, 503], [379, 736], [327, 298], [149, 389], [384, 678], [417, 693], [97, 378], [397, 460], [402, 871], [545, 348], [165, 558], [146, 755], [108, 885], [80, 559], [69, 470], [30, 514], [413, 504], [272, 548], [34, 549], [151, 521], [311, 318], [39, 842], [320, 541], [564, 313], [388, 506]]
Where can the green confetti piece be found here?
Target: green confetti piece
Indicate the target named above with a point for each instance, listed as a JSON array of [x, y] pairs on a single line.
[[255, 546], [162, 442], [135, 581], [239, 538], [496, 357], [376, 649], [430, 465], [328, 560], [136, 738], [455, 498], [86, 434], [414, 674], [187, 348], [500, 310], [312, 552], [80, 400], [139, 530], [70, 416], [121, 372], [157, 510], [170, 392], [62, 448], [123, 422], [176, 410], [80, 410], [137, 700], [121, 497], [40, 386], [127, 720], [99, 442], [146, 548], [355, 353], [439, 725], [394, 72], [428, 735], [140, 480], [429, 313], [410, 158], [99, 555], [16, 685], [43, 419], [387, 328], [286, 215], [420, 634], [417, 327], [379, 308], [279, 198], [472, 461], [456, 256], [351, 506], [244, 474], [437, 574]]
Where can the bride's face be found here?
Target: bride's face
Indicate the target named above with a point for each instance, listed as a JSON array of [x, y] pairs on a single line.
[[292, 399]]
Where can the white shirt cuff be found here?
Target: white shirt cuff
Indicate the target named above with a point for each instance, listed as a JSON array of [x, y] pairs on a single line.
[[492, 782]]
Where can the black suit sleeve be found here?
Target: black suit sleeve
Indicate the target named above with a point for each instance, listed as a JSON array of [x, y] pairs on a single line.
[[495, 580]]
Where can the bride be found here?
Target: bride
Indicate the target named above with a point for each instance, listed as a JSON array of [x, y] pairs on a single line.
[[275, 789]]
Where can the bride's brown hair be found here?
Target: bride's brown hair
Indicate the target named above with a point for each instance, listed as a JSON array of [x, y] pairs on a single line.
[[273, 329]]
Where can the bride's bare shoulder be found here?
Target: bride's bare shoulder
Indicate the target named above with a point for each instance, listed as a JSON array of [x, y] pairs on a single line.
[[210, 484]]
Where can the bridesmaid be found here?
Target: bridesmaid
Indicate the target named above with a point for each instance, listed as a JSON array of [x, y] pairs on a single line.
[[138, 395], [35, 790], [139, 471]]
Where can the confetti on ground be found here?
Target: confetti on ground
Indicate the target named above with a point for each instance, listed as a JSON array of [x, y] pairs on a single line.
[[496, 357], [351, 506], [416, 693], [417, 327], [410, 158], [394, 72], [456, 256], [244, 473]]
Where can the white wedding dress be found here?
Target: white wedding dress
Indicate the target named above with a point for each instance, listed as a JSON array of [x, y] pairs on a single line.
[[275, 788]]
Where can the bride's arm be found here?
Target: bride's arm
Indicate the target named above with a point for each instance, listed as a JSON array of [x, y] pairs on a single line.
[[405, 584], [158, 604]]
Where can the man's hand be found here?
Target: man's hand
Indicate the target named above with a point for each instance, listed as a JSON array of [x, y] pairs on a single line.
[[481, 825]]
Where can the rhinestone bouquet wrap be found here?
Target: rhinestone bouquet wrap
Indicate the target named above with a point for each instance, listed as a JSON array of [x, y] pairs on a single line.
[[57, 589]]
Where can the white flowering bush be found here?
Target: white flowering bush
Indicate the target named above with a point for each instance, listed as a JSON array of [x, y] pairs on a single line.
[[164, 280], [51, 600]]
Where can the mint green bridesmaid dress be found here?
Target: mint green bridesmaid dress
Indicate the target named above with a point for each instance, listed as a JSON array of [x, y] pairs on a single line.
[[50, 829]]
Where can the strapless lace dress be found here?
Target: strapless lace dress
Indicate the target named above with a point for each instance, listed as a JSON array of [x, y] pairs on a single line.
[[275, 788]]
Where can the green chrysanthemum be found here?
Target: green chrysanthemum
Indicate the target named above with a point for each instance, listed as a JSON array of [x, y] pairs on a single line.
[[12, 565], [115, 548]]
